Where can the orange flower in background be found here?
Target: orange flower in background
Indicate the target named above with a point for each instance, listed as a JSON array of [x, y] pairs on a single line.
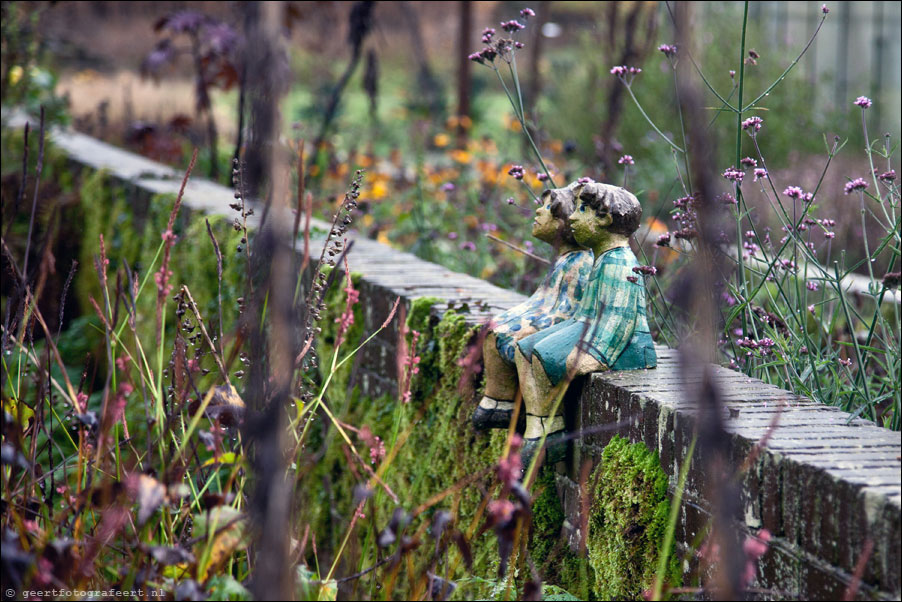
[[460, 156], [512, 123], [441, 140]]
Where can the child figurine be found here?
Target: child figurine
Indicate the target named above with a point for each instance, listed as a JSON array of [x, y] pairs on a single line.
[[554, 301], [608, 331]]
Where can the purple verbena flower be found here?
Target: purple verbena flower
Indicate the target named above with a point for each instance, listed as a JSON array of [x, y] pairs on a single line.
[[753, 123], [760, 172], [663, 240], [448, 187], [856, 184], [864, 102], [733, 174], [512, 26], [748, 162], [635, 70], [889, 176], [467, 246], [452, 235], [543, 177], [669, 50], [633, 279], [526, 13], [516, 171], [824, 9], [732, 73], [793, 192], [519, 45], [626, 160], [584, 180], [811, 285], [647, 270], [510, 200], [619, 70]]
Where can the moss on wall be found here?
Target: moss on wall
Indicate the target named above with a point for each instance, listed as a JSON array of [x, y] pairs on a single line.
[[105, 209], [441, 451], [629, 515]]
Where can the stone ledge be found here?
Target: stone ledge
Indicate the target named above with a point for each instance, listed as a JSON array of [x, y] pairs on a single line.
[[824, 485]]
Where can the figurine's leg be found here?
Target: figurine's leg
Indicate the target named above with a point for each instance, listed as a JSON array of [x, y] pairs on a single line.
[[500, 374], [527, 383], [539, 418]]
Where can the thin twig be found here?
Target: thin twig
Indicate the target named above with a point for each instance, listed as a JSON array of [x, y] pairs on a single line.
[[518, 249]]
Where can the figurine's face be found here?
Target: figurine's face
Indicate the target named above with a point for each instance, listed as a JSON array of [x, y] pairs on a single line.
[[588, 228], [545, 226]]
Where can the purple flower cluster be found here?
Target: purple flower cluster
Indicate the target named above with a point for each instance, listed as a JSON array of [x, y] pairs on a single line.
[[543, 177], [824, 9], [663, 240], [856, 184], [748, 162], [686, 216], [487, 54], [584, 180], [626, 160], [734, 175], [645, 270], [888, 176], [502, 47], [754, 124], [760, 172], [669, 50], [512, 26], [622, 71], [793, 192], [864, 102], [516, 172], [763, 345]]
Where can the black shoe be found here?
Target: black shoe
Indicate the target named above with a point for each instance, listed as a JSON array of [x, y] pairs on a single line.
[[484, 419], [555, 449]]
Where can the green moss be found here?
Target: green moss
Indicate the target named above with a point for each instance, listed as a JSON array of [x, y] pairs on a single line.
[[105, 210], [629, 515], [441, 451], [547, 520], [336, 304]]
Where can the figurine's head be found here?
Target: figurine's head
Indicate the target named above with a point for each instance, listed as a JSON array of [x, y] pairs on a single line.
[[603, 210], [551, 223]]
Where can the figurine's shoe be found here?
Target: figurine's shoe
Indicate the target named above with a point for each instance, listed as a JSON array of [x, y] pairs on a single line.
[[492, 414], [555, 449]]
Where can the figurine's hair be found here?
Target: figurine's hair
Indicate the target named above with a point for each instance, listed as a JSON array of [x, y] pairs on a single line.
[[562, 205], [621, 204]]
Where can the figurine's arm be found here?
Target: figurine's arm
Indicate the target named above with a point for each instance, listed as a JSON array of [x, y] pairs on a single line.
[[616, 309]]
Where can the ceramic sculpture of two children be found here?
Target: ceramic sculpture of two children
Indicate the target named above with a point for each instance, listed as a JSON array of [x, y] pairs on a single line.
[[586, 317]]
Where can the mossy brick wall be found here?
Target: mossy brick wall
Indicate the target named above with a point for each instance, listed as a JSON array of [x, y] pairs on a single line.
[[825, 486]]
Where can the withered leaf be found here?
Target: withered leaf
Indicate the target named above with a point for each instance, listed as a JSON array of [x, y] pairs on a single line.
[[149, 493]]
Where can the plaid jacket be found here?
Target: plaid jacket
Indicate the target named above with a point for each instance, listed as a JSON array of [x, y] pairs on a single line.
[[613, 313]]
